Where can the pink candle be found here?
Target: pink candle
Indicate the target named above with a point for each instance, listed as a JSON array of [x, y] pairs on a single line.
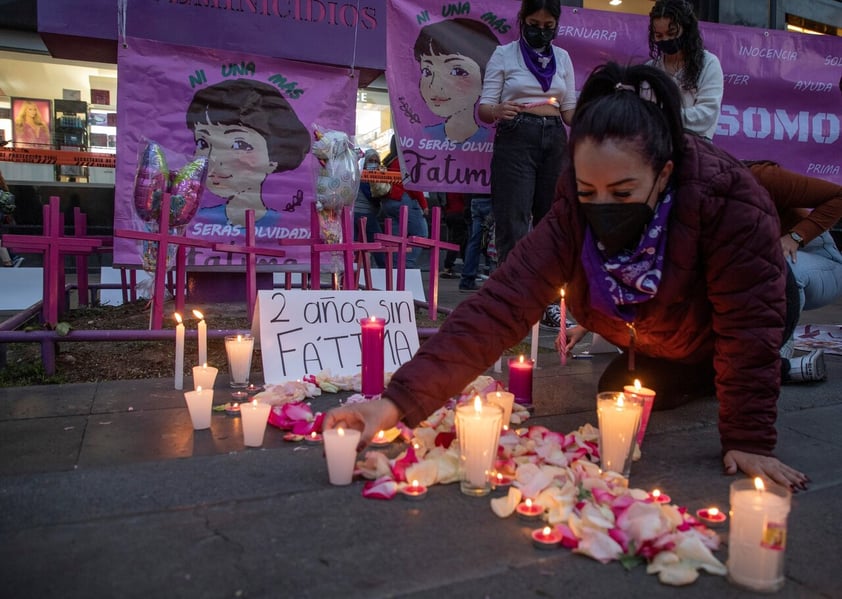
[[546, 538], [520, 380], [648, 397], [372, 355], [562, 330], [529, 510], [711, 515]]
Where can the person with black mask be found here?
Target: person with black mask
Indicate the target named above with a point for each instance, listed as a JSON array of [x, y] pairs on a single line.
[[676, 47], [693, 296], [529, 91]]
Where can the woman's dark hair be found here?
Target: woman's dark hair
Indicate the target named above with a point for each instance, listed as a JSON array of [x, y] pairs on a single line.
[[680, 14], [528, 7], [637, 104], [258, 106], [465, 37]]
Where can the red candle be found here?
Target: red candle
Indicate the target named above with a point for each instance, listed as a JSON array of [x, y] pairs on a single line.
[[562, 330], [520, 380], [372, 355], [711, 515], [529, 511], [546, 538], [498, 479], [415, 491], [648, 397], [313, 438], [657, 497]]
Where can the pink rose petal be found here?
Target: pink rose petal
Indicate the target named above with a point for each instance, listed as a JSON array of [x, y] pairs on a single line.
[[382, 488]]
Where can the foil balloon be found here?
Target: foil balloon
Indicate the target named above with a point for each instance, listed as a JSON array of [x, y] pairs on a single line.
[[150, 182], [187, 189]]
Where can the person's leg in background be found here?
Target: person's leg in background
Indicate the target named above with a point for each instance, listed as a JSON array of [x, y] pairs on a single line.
[[480, 209], [801, 369]]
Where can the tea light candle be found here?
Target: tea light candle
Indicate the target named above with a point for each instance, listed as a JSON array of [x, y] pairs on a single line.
[[202, 334], [711, 515], [520, 380], [648, 397], [546, 538], [372, 334], [239, 349], [478, 431], [529, 510], [757, 538], [253, 389], [255, 415], [232, 409], [239, 395], [415, 491], [501, 480], [657, 497], [379, 440], [179, 352], [313, 438], [505, 400], [200, 406], [619, 418], [204, 376], [341, 454]]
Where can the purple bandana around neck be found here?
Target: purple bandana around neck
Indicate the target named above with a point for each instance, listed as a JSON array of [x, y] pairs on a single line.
[[630, 277], [544, 74]]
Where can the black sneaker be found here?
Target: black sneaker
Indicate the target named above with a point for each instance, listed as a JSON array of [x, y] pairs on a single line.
[[468, 287], [448, 273], [552, 317]]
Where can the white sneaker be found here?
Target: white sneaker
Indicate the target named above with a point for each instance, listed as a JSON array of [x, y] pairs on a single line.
[[788, 350], [809, 368]]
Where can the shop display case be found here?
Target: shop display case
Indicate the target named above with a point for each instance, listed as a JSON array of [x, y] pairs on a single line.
[[71, 133]]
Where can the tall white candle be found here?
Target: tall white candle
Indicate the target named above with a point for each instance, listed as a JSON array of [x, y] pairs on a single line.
[[179, 352], [200, 406], [619, 418], [341, 454], [254, 416], [478, 430], [757, 538], [239, 349], [202, 334]]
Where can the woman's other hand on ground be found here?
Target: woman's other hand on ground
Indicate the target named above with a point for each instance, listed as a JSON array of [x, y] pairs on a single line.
[[767, 467]]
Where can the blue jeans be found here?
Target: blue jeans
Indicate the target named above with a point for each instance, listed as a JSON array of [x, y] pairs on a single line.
[[529, 154], [416, 224], [372, 228], [480, 209], [818, 272]]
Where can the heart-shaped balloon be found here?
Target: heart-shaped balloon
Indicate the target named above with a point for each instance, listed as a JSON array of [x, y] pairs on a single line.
[[150, 182], [187, 189]]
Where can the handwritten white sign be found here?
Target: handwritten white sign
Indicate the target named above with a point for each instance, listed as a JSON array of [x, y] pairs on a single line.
[[305, 332]]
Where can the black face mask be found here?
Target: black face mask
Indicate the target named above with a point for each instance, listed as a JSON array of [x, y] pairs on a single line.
[[617, 226], [669, 47], [536, 37]]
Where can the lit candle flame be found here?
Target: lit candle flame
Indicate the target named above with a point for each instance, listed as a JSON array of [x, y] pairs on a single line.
[[236, 404], [313, 435], [339, 431], [477, 404], [620, 398], [239, 338], [562, 293], [547, 530], [198, 389], [713, 512], [414, 483], [521, 359], [656, 493], [380, 436], [528, 503], [254, 403], [373, 319], [758, 484], [637, 385], [177, 317], [198, 315], [205, 366]]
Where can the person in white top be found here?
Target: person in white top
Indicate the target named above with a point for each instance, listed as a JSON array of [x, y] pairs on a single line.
[[676, 47], [529, 91]]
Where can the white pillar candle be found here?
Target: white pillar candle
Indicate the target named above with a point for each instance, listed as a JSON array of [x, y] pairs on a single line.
[[341, 454], [204, 376], [239, 349], [619, 418], [505, 400], [202, 334], [757, 538], [648, 397], [200, 406], [478, 431], [179, 352], [254, 416]]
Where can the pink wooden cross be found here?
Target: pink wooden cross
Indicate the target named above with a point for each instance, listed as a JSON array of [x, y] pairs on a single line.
[[315, 257], [349, 248], [251, 251], [53, 245], [163, 238], [399, 243], [364, 258], [436, 245], [80, 230]]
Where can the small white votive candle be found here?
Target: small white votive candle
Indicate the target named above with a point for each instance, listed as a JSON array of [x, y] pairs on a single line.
[[341, 454], [200, 406], [254, 415], [204, 376]]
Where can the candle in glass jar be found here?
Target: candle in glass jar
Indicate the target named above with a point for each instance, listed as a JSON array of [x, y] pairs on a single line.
[[505, 400], [179, 352], [202, 334], [757, 536], [239, 349], [619, 419], [520, 380], [372, 334], [254, 416], [478, 431], [648, 397]]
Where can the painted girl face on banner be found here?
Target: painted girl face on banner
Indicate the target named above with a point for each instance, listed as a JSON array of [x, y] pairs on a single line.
[[238, 158], [450, 84]]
